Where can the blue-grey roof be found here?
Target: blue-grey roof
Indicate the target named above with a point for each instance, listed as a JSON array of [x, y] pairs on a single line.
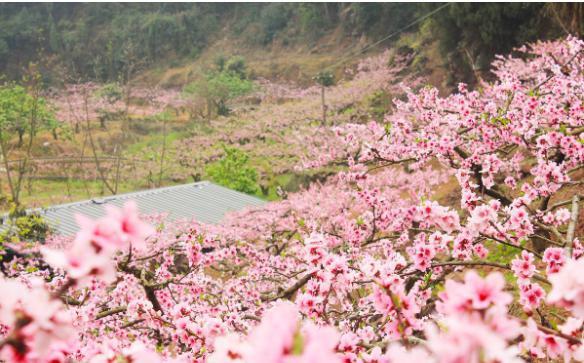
[[203, 201]]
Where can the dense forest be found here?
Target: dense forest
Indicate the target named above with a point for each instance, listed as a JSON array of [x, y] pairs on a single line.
[[99, 41]]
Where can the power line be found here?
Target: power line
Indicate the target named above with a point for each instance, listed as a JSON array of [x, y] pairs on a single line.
[[349, 56]]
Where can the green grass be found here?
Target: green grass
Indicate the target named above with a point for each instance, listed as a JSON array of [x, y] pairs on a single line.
[[154, 141]]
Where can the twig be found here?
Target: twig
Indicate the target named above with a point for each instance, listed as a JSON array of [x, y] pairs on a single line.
[[252, 317], [569, 338], [478, 263], [512, 245], [113, 311], [553, 74], [286, 294], [132, 323], [559, 204]]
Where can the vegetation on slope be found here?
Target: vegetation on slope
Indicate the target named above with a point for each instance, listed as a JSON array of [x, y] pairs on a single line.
[[99, 41]]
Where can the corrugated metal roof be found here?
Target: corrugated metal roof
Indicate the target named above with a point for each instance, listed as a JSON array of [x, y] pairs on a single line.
[[203, 201]]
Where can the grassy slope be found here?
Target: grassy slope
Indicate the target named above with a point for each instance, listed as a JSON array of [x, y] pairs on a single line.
[[297, 63]]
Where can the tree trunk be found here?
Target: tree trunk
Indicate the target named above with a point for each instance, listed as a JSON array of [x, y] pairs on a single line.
[[4, 150], [323, 105], [20, 137], [162, 153]]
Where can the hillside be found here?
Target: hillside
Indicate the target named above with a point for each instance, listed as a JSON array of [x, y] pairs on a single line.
[[100, 42], [126, 101]]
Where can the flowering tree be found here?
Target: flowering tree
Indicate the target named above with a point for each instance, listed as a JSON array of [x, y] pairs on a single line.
[[286, 124], [372, 266], [78, 103]]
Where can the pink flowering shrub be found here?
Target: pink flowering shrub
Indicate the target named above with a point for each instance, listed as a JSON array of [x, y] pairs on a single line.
[[373, 265]]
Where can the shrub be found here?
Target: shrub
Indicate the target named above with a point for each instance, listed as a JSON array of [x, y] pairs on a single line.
[[22, 226], [233, 171], [220, 87]]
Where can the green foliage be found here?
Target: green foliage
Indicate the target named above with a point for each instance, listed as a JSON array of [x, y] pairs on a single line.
[[379, 103], [237, 66], [31, 227], [500, 253], [233, 171], [18, 110], [366, 13], [225, 86], [4, 48], [379, 18], [325, 79], [470, 34], [91, 39], [111, 92], [218, 87], [311, 20], [220, 62], [273, 18], [22, 226], [160, 31]]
